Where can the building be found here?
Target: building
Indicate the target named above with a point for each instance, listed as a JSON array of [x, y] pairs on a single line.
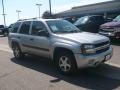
[[108, 9]]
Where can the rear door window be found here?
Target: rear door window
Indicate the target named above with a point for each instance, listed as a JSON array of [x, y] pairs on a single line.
[[25, 27], [16, 27]]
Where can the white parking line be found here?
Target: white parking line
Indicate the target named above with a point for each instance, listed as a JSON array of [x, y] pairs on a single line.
[[108, 70], [113, 64], [5, 48]]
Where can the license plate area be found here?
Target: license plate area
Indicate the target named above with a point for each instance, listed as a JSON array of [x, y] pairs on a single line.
[[107, 57]]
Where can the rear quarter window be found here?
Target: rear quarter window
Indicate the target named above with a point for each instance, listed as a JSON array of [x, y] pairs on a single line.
[[24, 29], [15, 27]]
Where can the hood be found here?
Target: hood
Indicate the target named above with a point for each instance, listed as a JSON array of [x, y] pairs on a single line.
[[110, 24], [83, 37]]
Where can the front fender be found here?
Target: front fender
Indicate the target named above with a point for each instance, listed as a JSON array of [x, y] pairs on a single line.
[[71, 47]]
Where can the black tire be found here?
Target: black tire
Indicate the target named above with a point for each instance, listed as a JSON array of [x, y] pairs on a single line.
[[70, 60], [17, 52]]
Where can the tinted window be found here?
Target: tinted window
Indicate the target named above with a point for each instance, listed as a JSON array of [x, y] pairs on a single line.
[[97, 19], [81, 20], [10, 28], [36, 27], [117, 19], [25, 27], [16, 26], [11, 25]]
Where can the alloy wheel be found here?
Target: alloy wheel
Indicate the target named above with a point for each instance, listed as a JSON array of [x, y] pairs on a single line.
[[64, 63]]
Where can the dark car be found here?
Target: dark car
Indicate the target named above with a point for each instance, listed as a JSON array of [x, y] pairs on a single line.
[[111, 29], [70, 19], [3, 30], [90, 23]]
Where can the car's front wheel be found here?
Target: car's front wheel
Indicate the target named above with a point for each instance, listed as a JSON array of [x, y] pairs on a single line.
[[66, 63]]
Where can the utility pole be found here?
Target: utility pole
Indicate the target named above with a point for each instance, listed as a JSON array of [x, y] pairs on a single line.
[[18, 12], [3, 13], [39, 5], [50, 6]]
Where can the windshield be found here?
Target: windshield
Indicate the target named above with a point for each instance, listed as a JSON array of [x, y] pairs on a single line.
[[62, 26], [117, 19], [81, 20]]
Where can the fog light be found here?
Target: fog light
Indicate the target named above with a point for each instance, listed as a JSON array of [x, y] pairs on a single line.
[[91, 61]]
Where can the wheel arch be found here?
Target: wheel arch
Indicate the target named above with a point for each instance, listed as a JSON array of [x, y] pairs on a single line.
[[14, 43], [58, 50]]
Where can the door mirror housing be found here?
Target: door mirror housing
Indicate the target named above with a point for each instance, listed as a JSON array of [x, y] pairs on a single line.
[[43, 33]]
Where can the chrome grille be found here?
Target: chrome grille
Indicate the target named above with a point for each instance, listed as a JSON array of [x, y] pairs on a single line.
[[102, 50], [102, 47], [107, 30], [102, 44]]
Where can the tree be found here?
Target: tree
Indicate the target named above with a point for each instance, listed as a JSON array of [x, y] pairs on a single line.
[[46, 15]]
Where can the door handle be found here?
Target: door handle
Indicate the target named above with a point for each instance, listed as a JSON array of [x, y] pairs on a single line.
[[32, 39], [18, 37]]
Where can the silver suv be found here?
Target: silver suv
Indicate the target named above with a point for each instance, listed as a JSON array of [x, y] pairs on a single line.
[[60, 41]]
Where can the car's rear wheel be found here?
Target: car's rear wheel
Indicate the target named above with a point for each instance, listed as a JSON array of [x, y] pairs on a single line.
[[17, 52], [5, 34], [66, 63]]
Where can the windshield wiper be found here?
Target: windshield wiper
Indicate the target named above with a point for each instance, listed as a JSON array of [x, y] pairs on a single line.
[[73, 31]]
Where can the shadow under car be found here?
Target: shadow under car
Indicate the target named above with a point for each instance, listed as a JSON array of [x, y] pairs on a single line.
[[85, 79]]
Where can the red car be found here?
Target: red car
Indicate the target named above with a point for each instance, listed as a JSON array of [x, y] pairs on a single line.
[[111, 29]]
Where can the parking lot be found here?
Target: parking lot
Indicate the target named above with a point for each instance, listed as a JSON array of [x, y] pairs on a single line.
[[35, 73], [60, 45]]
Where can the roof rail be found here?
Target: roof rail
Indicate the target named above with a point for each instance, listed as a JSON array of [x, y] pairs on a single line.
[[27, 19]]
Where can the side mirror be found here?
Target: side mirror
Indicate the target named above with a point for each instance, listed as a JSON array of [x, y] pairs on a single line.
[[43, 33]]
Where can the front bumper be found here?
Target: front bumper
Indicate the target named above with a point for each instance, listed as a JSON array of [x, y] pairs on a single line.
[[93, 60]]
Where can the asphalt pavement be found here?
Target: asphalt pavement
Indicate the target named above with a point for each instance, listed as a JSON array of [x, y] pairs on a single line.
[[36, 73]]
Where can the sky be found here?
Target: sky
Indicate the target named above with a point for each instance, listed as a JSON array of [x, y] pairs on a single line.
[[30, 10]]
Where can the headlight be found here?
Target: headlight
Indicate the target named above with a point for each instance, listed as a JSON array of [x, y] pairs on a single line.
[[88, 46], [88, 49]]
